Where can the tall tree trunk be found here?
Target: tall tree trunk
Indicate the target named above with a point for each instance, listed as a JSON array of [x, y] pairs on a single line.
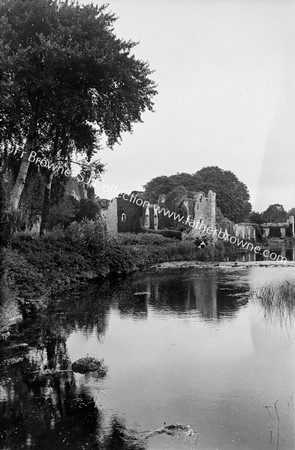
[[23, 171], [46, 202], [3, 228], [48, 185]]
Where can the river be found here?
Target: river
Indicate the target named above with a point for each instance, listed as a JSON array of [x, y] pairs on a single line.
[[206, 348]]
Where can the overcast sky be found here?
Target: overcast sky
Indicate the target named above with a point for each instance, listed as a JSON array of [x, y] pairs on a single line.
[[225, 72]]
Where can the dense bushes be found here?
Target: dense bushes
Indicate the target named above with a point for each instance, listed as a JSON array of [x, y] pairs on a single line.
[[141, 239], [119, 259], [171, 234], [19, 272], [69, 210], [89, 234]]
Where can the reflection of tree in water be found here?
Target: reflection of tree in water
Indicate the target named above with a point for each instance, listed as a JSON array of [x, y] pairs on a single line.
[[40, 404], [135, 304], [176, 292], [50, 412], [87, 311], [46, 410], [119, 438]]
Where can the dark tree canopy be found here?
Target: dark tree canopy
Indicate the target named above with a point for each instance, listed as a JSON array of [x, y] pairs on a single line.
[[65, 80], [232, 196], [274, 213], [158, 186], [256, 217], [62, 62], [165, 184]]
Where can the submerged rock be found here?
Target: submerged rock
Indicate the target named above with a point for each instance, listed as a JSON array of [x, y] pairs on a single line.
[[172, 436], [88, 364]]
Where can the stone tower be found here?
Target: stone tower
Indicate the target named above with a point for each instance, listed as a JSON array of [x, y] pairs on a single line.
[[204, 212]]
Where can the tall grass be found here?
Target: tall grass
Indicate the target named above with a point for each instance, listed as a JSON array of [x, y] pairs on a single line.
[[277, 300]]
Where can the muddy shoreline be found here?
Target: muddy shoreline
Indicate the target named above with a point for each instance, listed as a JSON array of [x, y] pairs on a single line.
[[216, 264]]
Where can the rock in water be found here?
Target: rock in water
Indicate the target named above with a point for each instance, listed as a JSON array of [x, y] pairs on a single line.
[[88, 364]]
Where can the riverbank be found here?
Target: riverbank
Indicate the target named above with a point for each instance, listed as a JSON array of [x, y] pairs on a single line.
[[37, 269], [228, 264]]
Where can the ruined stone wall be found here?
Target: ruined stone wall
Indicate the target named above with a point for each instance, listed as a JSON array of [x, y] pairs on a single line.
[[245, 231], [204, 213], [130, 216], [110, 215], [124, 216]]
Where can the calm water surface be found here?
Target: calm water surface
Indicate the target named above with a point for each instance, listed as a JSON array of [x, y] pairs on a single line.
[[193, 348]]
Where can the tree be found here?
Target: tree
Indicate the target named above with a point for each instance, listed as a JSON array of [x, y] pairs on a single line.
[[65, 80], [64, 212], [157, 186], [164, 185], [87, 208], [291, 212], [274, 213], [232, 196], [256, 217]]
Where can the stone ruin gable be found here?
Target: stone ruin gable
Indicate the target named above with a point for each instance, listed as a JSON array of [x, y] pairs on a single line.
[[136, 214], [291, 225], [279, 229], [198, 207], [204, 213], [177, 201], [161, 204], [245, 231], [130, 215], [150, 217], [124, 216], [109, 212]]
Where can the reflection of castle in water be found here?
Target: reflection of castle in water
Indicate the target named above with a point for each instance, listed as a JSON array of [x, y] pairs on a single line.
[[170, 294], [281, 250], [204, 293]]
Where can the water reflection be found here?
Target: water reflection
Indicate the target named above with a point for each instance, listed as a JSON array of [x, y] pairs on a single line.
[[182, 292], [41, 404], [119, 438], [178, 345], [281, 250]]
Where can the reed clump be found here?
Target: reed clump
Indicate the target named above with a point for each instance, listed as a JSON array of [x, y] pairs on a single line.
[[277, 299]]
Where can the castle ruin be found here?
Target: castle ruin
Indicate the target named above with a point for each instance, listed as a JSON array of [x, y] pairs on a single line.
[[173, 211]]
